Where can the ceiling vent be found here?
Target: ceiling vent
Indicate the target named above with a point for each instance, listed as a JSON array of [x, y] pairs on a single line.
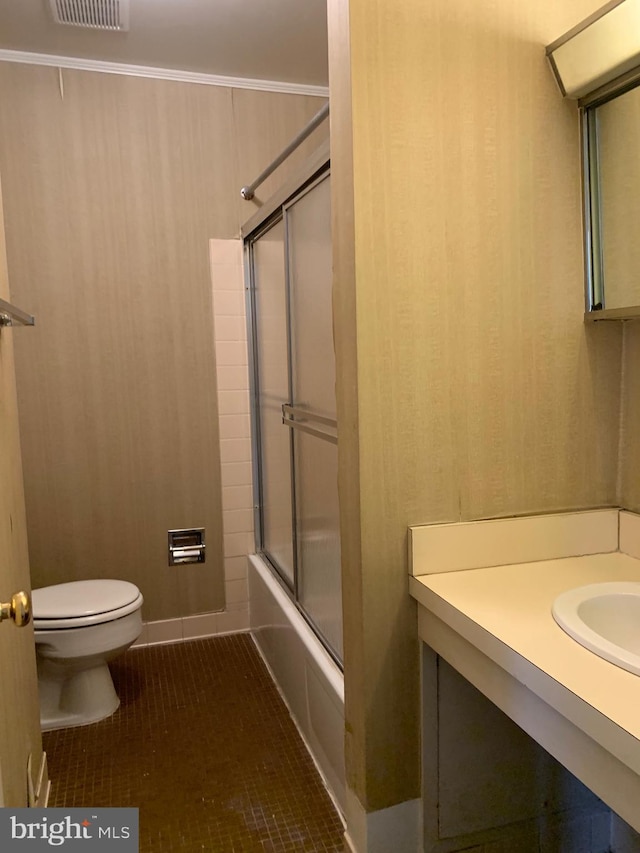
[[93, 14]]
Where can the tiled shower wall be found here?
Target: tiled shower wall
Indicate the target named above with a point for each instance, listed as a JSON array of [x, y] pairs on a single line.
[[235, 427], [235, 454]]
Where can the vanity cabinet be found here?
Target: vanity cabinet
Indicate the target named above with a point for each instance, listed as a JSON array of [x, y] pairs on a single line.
[[488, 614]]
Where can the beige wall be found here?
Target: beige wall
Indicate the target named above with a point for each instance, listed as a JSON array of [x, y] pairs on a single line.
[[113, 187], [468, 384], [629, 474]]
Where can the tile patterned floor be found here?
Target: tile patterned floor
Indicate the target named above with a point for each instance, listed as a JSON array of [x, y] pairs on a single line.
[[204, 746]]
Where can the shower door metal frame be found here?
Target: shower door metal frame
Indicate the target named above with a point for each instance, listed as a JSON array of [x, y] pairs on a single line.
[[254, 391], [275, 210], [290, 408]]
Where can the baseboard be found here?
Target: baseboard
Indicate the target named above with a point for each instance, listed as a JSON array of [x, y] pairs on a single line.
[[390, 830], [197, 627]]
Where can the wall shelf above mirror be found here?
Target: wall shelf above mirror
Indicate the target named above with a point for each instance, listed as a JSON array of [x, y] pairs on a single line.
[[598, 64]]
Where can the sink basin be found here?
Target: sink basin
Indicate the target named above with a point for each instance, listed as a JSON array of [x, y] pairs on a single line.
[[604, 618]]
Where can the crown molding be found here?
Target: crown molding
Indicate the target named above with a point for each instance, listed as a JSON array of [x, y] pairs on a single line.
[[78, 64]]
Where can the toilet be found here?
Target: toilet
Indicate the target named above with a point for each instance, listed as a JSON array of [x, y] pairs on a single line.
[[79, 627]]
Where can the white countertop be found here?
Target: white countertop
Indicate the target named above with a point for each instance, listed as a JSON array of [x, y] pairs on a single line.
[[505, 612]]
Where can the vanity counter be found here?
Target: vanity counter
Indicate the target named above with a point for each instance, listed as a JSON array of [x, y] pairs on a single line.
[[494, 625]]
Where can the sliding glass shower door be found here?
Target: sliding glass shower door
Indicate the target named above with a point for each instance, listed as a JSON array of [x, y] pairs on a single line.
[[295, 411], [271, 365]]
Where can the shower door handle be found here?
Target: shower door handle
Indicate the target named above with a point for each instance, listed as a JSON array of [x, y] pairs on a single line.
[[297, 418], [10, 315]]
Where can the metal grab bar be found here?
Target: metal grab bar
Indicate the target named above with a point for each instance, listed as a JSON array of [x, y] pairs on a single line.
[[290, 412], [248, 192], [10, 315]]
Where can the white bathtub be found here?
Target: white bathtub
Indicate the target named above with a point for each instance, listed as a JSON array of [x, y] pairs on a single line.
[[309, 680]]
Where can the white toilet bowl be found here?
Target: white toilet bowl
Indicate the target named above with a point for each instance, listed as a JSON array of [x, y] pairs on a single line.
[[79, 627]]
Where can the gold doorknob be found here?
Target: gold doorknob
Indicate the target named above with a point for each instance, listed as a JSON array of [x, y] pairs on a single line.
[[18, 609]]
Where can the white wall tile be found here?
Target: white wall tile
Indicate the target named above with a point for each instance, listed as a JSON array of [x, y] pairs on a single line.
[[237, 544], [235, 426], [233, 402], [237, 497], [236, 474], [227, 277], [232, 378], [233, 606], [229, 328], [235, 618], [232, 621], [228, 302], [235, 450], [143, 639], [164, 631], [231, 353], [225, 252], [201, 625], [236, 591], [235, 568], [237, 520]]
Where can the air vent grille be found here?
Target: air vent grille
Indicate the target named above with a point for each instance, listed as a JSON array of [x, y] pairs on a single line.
[[94, 14]]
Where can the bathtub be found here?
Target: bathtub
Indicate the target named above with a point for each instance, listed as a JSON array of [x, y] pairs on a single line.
[[309, 681]]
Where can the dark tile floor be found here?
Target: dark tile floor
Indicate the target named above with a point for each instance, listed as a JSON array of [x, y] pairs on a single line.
[[204, 746]]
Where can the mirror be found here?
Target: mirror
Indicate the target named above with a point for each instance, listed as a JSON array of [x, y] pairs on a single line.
[[598, 62], [612, 196]]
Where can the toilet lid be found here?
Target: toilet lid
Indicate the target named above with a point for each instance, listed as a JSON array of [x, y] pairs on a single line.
[[82, 598]]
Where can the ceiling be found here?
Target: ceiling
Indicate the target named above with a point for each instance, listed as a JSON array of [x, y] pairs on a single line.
[[279, 40]]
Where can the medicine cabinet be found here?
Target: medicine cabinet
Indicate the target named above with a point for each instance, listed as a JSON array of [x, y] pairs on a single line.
[[598, 64]]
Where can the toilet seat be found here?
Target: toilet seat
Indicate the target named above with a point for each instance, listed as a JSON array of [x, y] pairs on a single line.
[[81, 603]]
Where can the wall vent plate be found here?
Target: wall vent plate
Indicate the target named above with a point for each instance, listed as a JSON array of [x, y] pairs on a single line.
[[92, 14]]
